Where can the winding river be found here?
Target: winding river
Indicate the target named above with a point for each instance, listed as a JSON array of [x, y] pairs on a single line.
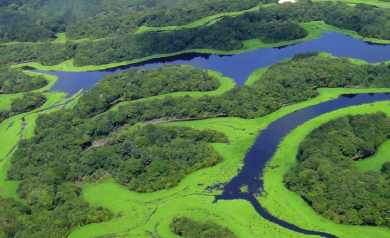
[[239, 67]]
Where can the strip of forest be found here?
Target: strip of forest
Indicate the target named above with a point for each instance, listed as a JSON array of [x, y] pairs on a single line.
[[270, 25], [32, 21]]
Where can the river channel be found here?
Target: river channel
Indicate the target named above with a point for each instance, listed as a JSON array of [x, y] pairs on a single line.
[[239, 67]]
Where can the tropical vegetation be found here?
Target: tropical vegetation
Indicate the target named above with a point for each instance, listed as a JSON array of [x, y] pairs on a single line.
[[327, 178]]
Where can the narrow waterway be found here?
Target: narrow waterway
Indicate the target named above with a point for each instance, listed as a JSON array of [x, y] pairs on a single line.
[[267, 143], [237, 67]]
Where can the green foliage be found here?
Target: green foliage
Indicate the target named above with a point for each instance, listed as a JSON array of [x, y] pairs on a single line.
[[135, 84], [27, 103], [327, 178], [270, 25], [50, 211], [15, 81], [188, 228], [152, 158], [40, 20]]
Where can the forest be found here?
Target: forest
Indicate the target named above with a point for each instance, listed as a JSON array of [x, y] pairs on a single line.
[[270, 25], [15, 81], [188, 228], [327, 178], [136, 84], [40, 20], [27, 103]]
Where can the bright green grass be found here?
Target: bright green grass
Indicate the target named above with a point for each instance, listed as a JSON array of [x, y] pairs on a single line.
[[6, 99], [61, 38], [286, 205], [253, 77], [375, 3], [375, 162], [226, 85], [154, 211]]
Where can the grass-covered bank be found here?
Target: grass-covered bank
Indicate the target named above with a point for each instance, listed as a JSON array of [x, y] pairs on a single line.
[[375, 161], [289, 206]]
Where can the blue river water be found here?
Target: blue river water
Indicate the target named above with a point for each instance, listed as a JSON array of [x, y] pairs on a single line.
[[237, 67]]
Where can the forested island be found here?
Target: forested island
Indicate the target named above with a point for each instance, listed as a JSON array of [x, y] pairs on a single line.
[[15, 81], [27, 103], [327, 178], [185, 227]]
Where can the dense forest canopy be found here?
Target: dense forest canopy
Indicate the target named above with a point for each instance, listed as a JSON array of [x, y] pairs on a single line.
[[270, 25], [188, 228], [40, 20], [27, 103], [327, 178], [15, 81], [135, 84]]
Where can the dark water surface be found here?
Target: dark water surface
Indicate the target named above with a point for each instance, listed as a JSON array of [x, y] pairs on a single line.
[[266, 144], [237, 67]]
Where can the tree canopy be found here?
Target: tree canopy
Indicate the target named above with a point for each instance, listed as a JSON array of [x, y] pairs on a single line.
[[27, 103], [188, 228], [15, 81], [327, 178]]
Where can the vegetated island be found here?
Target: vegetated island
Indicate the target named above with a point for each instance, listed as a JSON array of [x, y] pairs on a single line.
[[15, 81], [327, 178], [27, 103], [188, 228]]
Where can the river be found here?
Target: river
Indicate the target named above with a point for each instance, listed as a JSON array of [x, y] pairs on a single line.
[[239, 67]]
